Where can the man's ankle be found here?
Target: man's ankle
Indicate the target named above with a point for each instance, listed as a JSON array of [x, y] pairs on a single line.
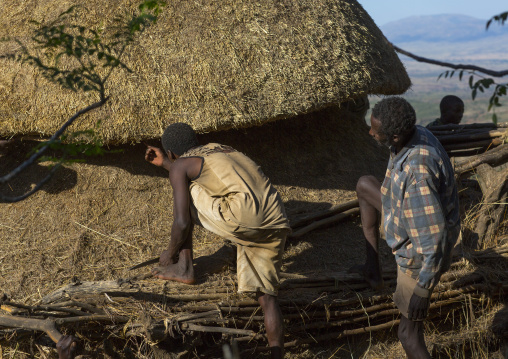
[[277, 352]]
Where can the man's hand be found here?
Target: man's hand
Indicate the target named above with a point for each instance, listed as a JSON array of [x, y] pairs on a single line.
[[166, 259], [66, 347], [155, 156], [418, 307]]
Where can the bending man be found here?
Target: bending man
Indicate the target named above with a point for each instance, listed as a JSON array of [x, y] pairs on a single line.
[[420, 215], [224, 191]]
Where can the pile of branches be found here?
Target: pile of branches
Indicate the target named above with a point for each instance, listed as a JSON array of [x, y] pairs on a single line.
[[489, 172], [472, 139], [315, 309]]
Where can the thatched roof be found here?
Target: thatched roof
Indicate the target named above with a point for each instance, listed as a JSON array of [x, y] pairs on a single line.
[[214, 65]]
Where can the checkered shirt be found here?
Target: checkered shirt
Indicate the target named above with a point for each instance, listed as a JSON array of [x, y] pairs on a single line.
[[421, 209]]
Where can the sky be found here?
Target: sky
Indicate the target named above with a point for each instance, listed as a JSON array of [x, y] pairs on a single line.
[[385, 11]]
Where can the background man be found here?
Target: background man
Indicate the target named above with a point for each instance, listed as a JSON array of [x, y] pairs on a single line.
[[452, 110], [420, 213], [224, 191]]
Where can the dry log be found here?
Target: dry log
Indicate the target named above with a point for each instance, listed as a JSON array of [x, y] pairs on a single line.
[[492, 157], [325, 213], [462, 131], [475, 144], [466, 153], [494, 186], [456, 138], [325, 222], [468, 126], [44, 325]]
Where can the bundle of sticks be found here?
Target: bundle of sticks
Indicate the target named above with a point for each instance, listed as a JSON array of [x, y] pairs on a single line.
[[467, 140], [315, 309], [307, 222]]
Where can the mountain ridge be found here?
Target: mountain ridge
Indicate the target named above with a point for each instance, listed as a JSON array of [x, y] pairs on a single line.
[[442, 28]]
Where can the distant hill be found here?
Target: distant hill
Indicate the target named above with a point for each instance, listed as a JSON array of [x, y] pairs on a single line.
[[450, 38], [437, 28]]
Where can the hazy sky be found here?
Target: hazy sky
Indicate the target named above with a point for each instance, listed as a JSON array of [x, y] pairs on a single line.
[[384, 11]]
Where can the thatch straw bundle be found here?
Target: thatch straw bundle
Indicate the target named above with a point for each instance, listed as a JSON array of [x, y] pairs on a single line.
[[214, 65]]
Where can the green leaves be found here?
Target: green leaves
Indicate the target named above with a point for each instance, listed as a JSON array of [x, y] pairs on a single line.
[[483, 84], [501, 19], [90, 55], [74, 146]]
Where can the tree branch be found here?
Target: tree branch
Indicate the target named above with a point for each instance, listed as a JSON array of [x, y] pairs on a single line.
[[40, 152], [450, 65]]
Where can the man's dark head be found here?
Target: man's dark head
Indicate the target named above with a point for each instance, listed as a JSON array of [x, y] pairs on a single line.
[[397, 117], [179, 138], [452, 109]]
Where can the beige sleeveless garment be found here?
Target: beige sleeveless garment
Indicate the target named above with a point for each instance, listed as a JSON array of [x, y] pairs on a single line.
[[233, 192]]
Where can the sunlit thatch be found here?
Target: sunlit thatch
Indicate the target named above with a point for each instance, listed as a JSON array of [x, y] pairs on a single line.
[[215, 65]]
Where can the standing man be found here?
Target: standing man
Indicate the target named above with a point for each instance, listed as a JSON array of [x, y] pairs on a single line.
[[452, 110], [419, 207], [224, 191]]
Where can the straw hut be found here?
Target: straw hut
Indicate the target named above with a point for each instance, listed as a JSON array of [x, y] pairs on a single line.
[[285, 82], [214, 65]]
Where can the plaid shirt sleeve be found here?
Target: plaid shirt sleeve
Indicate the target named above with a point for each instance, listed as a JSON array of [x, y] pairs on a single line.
[[425, 223]]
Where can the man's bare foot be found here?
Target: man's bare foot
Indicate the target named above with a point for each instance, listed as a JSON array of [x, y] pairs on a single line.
[[371, 276], [176, 272]]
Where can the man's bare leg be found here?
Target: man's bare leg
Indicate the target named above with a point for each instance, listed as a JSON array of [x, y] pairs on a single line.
[[368, 190], [273, 324], [181, 271], [412, 338]]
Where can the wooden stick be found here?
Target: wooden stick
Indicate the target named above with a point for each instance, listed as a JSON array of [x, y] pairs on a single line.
[[43, 325], [484, 143], [469, 137], [73, 303], [93, 318], [468, 126], [340, 334], [325, 213], [201, 328], [462, 131], [48, 308], [466, 153]]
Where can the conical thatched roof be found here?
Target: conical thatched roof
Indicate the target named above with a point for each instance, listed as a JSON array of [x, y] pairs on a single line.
[[215, 65]]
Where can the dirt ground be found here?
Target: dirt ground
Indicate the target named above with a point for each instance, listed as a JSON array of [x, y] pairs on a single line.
[[94, 220]]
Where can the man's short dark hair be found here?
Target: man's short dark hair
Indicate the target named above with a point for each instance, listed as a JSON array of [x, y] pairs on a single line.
[[179, 138], [397, 116], [449, 101]]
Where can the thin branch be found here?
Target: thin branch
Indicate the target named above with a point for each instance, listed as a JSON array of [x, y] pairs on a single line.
[[450, 65], [57, 134], [41, 151]]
